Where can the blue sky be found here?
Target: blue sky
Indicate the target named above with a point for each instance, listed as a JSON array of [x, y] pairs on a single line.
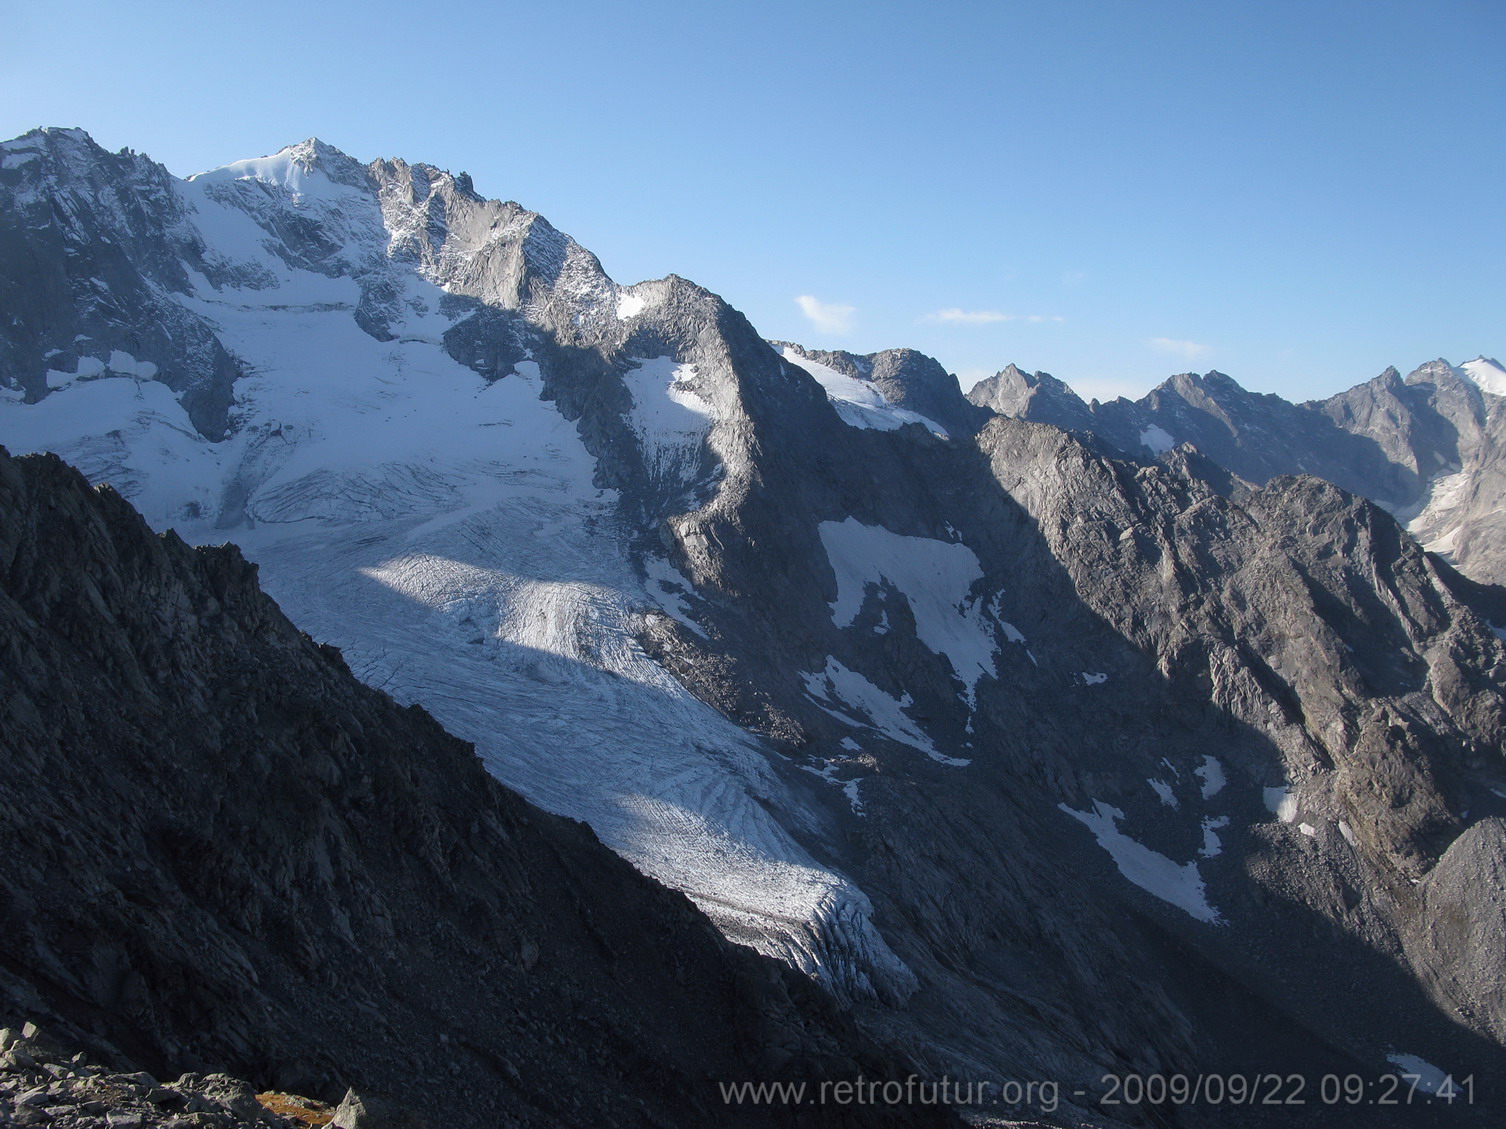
[[1296, 193]]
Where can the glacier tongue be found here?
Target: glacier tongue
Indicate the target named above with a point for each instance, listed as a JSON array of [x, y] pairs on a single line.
[[515, 626]]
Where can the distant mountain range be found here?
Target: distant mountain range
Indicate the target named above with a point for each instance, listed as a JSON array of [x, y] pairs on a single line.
[[1051, 740], [1427, 447]]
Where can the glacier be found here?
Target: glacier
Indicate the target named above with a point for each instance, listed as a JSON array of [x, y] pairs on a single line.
[[449, 534]]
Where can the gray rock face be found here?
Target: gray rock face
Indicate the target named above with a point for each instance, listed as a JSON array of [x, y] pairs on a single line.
[[224, 853], [1048, 763], [1038, 397], [1297, 640], [92, 243], [1461, 921]]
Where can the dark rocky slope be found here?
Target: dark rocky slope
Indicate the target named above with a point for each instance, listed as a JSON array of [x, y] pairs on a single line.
[[224, 853]]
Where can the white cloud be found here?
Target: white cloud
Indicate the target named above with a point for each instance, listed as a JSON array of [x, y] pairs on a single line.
[[969, 317], [984, 317], [828, 317], [1190, 350]]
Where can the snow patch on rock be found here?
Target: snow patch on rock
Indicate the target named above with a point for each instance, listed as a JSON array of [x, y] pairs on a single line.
[[1430, 1079], [839, 687], [1487, 375], [1179, 884], [1211, 773], [938, 579], [669, 417], [859, 402], [1212, 845], [668, 588], [1281, 802], [1157, 439]]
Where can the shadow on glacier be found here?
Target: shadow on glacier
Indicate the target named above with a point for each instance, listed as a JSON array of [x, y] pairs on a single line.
[[535, 661]]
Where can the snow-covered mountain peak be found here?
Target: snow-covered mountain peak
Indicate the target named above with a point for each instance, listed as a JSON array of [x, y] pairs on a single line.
[[375, 359], [729, 604], [1487, 374], [309, 168]]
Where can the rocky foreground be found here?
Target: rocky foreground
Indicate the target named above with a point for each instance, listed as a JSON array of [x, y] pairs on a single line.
[[42, 1084]]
